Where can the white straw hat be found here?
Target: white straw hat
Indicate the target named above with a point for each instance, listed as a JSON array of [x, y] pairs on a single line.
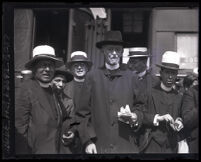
[[170, 60], [43, 52]]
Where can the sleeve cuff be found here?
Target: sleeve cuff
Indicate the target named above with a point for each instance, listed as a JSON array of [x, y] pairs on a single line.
[[155, 122]]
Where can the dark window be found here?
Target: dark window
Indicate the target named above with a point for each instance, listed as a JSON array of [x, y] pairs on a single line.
[[51, 28]]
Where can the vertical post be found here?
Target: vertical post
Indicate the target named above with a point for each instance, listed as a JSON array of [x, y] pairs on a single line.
[[70, 34]]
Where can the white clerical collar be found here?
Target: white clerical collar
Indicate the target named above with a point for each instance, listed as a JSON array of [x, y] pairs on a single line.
[[167, 89], [114, 67], [141, 74], [78, 80], [44, 85]]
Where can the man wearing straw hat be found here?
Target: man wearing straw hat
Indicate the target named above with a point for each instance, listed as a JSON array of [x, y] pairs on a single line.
[[79, 65], [138, 63], [139, 59], [190, 113], [162, 117], [110, 103], [37, 116]]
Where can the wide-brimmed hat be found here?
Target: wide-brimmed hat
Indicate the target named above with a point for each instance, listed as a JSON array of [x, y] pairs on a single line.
[[63, 71], [170, 60], [136, 52], [111, 37], [79, 56], [43, 52]]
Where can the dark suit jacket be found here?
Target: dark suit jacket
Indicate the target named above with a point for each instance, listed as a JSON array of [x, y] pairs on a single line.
[[36, 121], [190, 117]]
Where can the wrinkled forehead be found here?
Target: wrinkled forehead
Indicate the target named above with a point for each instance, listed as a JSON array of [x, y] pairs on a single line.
[[113, 46], [166, 70], [137, 59], [44, 62]]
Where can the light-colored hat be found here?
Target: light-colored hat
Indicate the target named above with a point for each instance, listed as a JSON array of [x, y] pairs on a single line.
[[43, 52], [79, 56], [170, 60], [138, 52], [195, 72]]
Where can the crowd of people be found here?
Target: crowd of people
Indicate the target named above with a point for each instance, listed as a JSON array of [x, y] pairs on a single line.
[[72, 108]]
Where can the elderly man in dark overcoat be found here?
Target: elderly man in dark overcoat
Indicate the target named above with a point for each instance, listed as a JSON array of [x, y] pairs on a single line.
[[162, 118], [106, 91], [38, 117]]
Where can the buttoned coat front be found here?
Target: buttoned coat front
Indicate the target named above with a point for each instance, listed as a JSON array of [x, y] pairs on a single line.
[[36, 121], [102, 96]]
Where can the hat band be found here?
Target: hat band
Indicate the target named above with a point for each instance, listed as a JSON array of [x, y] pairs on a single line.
[[48, 55], [79, 58], [170, 65]]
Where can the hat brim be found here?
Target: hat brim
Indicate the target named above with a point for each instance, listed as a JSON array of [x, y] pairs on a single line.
[[67, 74], [70, 63], [31, 63], [136, 56], [101, 43], [167, 67]]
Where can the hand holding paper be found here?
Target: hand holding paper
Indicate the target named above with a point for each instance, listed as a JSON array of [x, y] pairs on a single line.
[[126, 116]]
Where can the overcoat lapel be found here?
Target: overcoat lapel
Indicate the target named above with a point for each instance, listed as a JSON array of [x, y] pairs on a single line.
[[37, 89]]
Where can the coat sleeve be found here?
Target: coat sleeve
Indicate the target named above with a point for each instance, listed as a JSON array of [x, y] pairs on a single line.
[[189, 110], [22, 117], [83, 113], [138, 102]]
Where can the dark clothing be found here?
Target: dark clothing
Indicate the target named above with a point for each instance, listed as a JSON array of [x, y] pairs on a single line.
[[73, 89], [38, 118], [103, 93], [164, 136], [190, 118]]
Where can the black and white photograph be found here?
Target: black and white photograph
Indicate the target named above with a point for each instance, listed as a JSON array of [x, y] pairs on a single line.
[[100, 80]]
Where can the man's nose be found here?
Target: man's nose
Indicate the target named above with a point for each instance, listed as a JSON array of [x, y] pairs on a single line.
[[170, 76], [114, 52], [47, 68]]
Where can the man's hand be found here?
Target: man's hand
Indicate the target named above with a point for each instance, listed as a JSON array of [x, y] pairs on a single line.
[[178, 125], [168, 118], [91, 149]]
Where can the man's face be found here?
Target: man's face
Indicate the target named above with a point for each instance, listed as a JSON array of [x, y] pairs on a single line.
[[44, 70], [112, 54], [59, 81], [168, 76], [79, 69], [138, 64]]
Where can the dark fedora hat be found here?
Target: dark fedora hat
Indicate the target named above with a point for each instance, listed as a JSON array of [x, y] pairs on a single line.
[[63, 71], [170, 60], [79, 56], [111, 37], [43, 52]]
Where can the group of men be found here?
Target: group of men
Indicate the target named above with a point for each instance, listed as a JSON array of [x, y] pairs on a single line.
[[73, 108]]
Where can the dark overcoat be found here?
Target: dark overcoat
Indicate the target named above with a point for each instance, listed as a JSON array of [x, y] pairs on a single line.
[[102, 96], [162, 138], [36, 121], [190, 113]]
